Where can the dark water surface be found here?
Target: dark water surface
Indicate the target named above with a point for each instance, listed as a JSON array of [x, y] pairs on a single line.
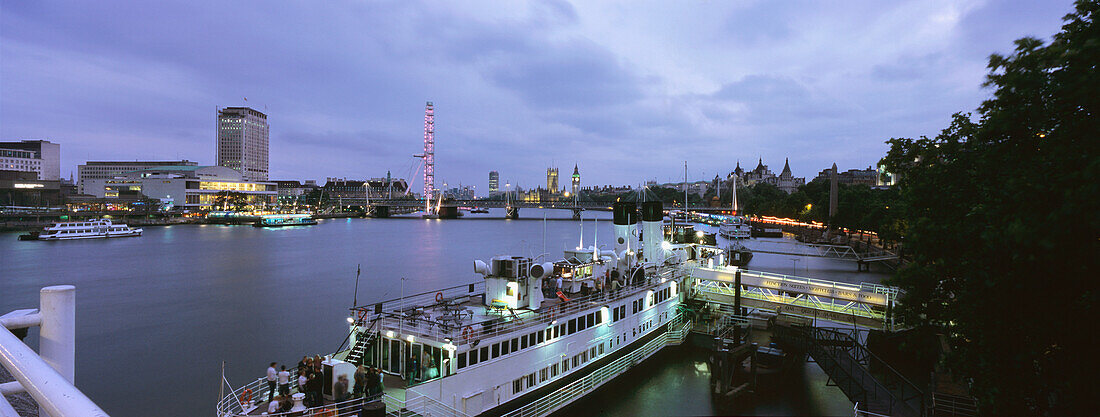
[[157, 315]]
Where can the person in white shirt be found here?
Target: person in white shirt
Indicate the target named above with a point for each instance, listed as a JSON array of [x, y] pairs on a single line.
[[284, 382], [272, 376], [273, 407], [302, 380]]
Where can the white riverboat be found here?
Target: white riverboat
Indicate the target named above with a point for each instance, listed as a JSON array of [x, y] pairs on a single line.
[[527, 339], [735, 228], [90, 229]]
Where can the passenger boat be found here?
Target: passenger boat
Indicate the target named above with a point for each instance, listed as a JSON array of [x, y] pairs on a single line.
[[91, 229], [479, 210], [735, 228], [518, 340], [280, 220]]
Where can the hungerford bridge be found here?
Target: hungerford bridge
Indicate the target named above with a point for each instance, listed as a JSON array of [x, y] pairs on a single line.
[[449, 208]]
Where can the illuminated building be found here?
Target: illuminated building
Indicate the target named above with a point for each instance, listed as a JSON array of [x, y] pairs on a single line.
[[192, 187], [494, 181], [41, 157], [243, 141]]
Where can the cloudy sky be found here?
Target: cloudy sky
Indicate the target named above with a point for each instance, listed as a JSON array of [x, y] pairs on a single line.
[[626, 89]]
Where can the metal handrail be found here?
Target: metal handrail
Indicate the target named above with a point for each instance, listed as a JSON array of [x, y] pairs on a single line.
[[459, 336]]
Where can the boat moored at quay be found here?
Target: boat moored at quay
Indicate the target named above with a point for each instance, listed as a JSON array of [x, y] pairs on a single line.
[[526, 339], [281, 220], [90, 229]]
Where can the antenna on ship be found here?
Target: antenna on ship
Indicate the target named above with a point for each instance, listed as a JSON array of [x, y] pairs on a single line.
[[355, 296]]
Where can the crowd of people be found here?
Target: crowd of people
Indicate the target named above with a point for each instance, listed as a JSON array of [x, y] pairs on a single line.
[[367, 386]]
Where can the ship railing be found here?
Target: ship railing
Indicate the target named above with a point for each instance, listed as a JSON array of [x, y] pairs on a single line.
[[424, 299], [473, 332], [244, 401], [861, 413], [577, 389]]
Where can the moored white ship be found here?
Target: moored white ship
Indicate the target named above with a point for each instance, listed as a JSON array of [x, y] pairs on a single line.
[[528, 329], [90, 229]]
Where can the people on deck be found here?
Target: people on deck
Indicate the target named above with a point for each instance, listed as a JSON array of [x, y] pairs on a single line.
[[360, 386], [274, 405], [340, 389], [304, 363], [272, 377], [302, 379], [284, 382]]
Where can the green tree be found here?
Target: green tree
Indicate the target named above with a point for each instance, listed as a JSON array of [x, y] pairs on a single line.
[[999, 218]]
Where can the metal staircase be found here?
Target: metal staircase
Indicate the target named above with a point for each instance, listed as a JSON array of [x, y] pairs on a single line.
[[862, 376]]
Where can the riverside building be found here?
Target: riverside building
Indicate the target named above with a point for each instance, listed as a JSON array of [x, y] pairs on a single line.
[[189, 187], [93, 174], [41, 157], [243, 142]]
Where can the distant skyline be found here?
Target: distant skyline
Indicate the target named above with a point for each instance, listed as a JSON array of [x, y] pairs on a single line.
[[627, 90]]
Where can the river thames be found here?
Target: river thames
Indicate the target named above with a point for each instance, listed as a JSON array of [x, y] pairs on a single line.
[[157, 315]]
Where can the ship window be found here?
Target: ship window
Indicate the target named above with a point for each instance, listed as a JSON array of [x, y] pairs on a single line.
[[591, 319], [515, 345], [531, 380], [461, 360], [592, 352], [531, 339], [549, 334], [523, 343], [601, 347], [496, 350], [564, 365], [633, 307], [581, 323], [553, 370], [542, 375], [484, 355], [572, 326], [576, 360], [504, 348], [541, 336], [517, 385], [557, 332], [622, 312], [584, 356]]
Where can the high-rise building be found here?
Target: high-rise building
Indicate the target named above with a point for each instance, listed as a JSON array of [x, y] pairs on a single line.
[[92, 175], [41, 157], [243, 141], [494, 181], [552, 180]]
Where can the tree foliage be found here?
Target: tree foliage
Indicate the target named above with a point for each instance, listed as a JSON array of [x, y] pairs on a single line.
[[1000, 219]]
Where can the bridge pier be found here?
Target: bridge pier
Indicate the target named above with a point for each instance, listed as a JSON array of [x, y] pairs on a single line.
[[446, 212], [863, 266], [380, 212], [577, 213], [512, 213]]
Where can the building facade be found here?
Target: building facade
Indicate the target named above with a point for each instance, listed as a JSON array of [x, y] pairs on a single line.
[[243, 142], [552, 180], [41, 157], [94, 174], [869, 177], [494, 181], [785, 181], [190, 187]]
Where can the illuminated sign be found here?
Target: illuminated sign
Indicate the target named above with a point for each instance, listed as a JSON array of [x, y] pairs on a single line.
[[18, 185]]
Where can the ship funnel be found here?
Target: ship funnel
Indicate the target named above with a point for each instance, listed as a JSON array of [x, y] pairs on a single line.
[[625, 216], [543, 270], [652, 215]]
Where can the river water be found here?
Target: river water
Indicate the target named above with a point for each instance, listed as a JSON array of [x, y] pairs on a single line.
[[158, 315]]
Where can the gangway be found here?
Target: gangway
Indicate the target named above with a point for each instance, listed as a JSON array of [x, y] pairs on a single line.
[[866, 305]]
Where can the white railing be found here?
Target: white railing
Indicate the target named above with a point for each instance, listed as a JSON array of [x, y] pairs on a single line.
[[486, 330], [423, 405], [860, 413], [576, 389], [47, 378]]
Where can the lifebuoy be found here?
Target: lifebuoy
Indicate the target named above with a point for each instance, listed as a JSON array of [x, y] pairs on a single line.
[[362, 315], [439, 297], [467, 332], [246, 396]]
